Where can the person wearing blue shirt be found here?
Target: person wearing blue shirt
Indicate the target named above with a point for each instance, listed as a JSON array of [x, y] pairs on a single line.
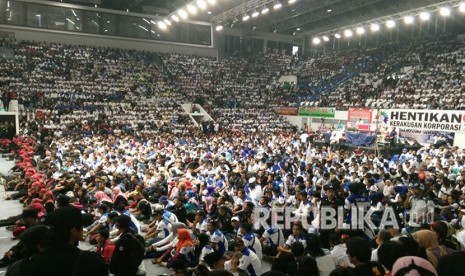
[[248, 261], [250, 240], [271, 239], [217, 239], [296, 236]]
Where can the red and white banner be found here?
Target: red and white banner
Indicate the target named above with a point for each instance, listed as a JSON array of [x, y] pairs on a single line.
[[359, 118]]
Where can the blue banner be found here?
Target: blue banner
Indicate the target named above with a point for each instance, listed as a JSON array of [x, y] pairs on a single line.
[[360, 139]]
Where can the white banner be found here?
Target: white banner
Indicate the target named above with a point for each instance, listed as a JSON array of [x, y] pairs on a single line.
[[426, 120]]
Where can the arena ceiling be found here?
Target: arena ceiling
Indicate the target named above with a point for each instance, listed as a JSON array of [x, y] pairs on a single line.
[[304, 17]]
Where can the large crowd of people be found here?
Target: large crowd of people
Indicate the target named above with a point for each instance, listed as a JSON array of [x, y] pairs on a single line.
[[415, 75], [106, 155]]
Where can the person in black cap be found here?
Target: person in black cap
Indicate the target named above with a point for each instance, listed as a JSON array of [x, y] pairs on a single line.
[[211, 262], [129, 249], [331, 200], [63, 201], [29, 218], [34, 239], [63, 257]]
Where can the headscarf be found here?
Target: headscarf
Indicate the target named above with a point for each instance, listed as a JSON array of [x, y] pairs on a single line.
[[117, 192], [428, 240], [413, 263], [101, 196], [184, 239]]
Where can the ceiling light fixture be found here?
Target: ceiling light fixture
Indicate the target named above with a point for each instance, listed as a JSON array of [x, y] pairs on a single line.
[[424, 16], [182, 13], [390, 24], [462, 7], [408, 19], [444, 11], [201, 4], [191, 9], [162, 25], [277, 6], [175, 18]]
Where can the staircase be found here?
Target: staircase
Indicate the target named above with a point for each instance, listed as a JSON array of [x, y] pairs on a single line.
[[196, 112]]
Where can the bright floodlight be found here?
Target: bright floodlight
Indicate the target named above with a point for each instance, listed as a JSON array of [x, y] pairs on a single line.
[[175, 17], [182, 13], [390, 23], [191, 9], [161, 25], [316, 40], [201, 4], [265, 10], [292, 1], [277, 6], [325, 38], [246, 17], [338, 36], [212, 2], [255, 14], [219, 28], [424, 16], [360, 30], [462, 7], [167, 22], [374, 27], [348, 33], [408, 19], [444, 11]]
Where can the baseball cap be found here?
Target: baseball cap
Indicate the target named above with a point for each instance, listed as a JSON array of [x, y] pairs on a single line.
[[329, 186], [212, 258], [163, 199], [30, 213], [235, 218], [66, 218]]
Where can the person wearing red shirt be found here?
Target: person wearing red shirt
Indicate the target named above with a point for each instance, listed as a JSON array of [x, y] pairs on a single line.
[[105, 246]]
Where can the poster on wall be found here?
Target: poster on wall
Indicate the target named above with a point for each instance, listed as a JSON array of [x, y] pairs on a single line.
[[286, 110], [426, 137], [359, 118], [8, 125], [423, 120], [319, 112]]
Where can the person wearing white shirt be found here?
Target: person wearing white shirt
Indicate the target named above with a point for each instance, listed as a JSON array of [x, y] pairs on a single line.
[[248, 261], [338, 252], [382, 237]]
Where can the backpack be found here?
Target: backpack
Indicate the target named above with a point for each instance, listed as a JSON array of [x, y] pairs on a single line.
[[128, 255]]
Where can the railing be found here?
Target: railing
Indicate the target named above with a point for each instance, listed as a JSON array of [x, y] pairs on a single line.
[[82, 19]]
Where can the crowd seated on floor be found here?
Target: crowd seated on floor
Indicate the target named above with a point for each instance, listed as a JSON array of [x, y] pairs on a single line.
[[120, 166], [194, 203]]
